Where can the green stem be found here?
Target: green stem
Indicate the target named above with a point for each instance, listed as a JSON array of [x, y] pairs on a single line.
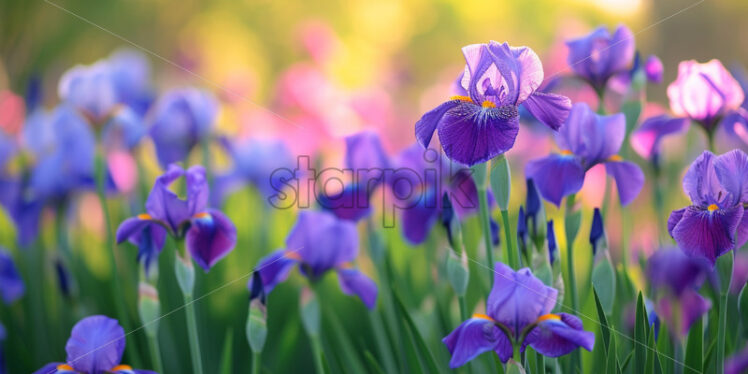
[[155, 353], [659, 205], [725, 269], [576, 361], [463, 308], [517, 355], [101, 188], [317, 353], [207, 164], [483, 201], [197, 361], [511, 248], [255, 362], [710, 140]]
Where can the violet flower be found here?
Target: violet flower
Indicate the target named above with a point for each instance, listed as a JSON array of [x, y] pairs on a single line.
[[704, 93], [646, 140], [653, 69], [738, 363], [209, 235], [599, 56], [714, 223], [483, 123], [675, 278], [11, 283], [318, 243], [587, 139], [518, 311], [95, 346]]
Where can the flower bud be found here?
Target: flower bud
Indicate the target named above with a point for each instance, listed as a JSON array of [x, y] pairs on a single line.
[[149, 307]]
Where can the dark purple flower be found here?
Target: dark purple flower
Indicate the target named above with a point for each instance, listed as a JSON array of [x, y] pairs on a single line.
[[11, 283], [714, 223], [318, 243], [597, 231], [366, 160], [647, 138], [551, 242], [522, 235], [95, 346], [209, 235], [738, 363], [422, 179], [704, 93], [587, 139], [179, 120], [484, 123], [518, 311], [254, 162], [98, 89], [23, 207], [599, 56], [676, 277], [653, 69]]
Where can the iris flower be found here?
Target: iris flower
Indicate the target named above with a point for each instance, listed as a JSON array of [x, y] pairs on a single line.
[[715, 222], [95, 346], [675, 278], [366, 159], [518, 311], [587, 139], [483, 122], [11, 283], [209, 235], [179, 120], [599, 56], [653, 69], [318, 243], [646, 140]]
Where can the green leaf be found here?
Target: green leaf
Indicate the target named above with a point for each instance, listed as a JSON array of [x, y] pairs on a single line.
[[709, 354], [694, 350], [603, 320], [626, 361], [640, 335], [632, 110], [501, 181], [227, 355], [665, 349], [344, 345], [649, 367], [604, 280], [421, 345], [373, 364], [611, 364]]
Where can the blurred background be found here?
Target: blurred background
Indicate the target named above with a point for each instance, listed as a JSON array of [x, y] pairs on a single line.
[[312, 73]]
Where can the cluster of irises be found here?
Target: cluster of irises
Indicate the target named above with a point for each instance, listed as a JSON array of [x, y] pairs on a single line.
[[682, 308]]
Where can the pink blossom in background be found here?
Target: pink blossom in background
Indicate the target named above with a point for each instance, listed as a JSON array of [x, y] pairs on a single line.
[[593, 191], [319, 40], [12, 112], [123, 169], [704, 92]]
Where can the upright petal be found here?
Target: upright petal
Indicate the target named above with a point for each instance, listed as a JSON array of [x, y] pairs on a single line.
[[353, 282], [550, 109], [518, 298], [708, 234], [559, 335], [11, 283], [197, 189], [700, 182], [556, 176], [364, 150], [590, 136], [732, 172], [473, 337], [653, 69], [472, 134], [629, 179], [210, 238], [704, 92], [273, 269], [163, 204], [96, 344], [676, 271]]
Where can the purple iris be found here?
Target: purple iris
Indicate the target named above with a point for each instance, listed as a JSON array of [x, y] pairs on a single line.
[[209, 235], [318, 243], [254, 162], [653, 69], [738, 363], [11, 283], [587, 139], [551, 242], [366, 159], [483, 122], [422, 189], [100, 89], [646, 140], [95, 346], [675, 278], [179, 120], [714, 223], [518, 311], [599, 55]]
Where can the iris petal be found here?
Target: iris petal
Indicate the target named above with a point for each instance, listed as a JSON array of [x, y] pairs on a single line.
[[426, 126], [210, 238], [473, 337], [629, 179], [274, 269], [556, 176], [554, 338], [550, 109], [353, 282], [707, 234], [96, 344]]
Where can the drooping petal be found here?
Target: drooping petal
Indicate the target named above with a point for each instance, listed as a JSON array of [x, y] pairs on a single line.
[[708, 234], [145, 232], [550, 109], [598, 56], [473, 337], [690, 306], [353, 282], [428, 123], [629, 179], [518, 298], [273, 269], [646, 139], [210, 238], [557, 337], [352, 203], [732, 172], [322, 241], [11, 283], [364, 150], [674, 219], [472, 134], [676, 271], [419, 219], [556, 176], [96, 344]]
